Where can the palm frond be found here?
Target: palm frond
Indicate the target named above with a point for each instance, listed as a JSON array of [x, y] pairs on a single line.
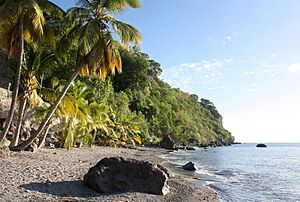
[[9, 9], [89, 36], [51, 9], [9, 30], [69, 134], [126, 32], [35, 14], [118, 5], [78, 13], [83, 3], [68, 105]]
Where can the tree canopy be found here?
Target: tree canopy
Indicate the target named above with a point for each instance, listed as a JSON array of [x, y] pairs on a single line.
[[52, 48]]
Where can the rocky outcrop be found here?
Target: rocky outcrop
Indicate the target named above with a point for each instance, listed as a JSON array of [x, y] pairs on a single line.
[[117, 174], [4, 149], [167, 143], [261, 145], [6, 74], [189, 166]]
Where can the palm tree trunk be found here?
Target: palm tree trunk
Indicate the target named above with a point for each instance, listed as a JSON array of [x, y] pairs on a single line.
[[54, 106], [15, 140], [42, 142], [16, 84]]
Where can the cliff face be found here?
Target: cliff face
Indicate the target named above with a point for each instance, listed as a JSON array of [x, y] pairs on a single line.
[[6, 75]]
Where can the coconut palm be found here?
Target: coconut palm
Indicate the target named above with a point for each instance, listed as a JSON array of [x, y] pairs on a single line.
[[92, 118], [39, 65], [19, 20], [93, 24]]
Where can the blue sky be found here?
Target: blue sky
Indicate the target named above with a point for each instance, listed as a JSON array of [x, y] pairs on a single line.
[[242, 55]]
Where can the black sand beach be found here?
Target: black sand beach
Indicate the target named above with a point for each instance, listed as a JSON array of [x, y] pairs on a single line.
[[56, 175]]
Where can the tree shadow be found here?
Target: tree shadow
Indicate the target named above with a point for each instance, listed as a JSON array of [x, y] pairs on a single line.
[[64, 189]]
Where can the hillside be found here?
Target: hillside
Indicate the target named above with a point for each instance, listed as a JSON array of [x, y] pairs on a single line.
[[140, 102], [168, 111]]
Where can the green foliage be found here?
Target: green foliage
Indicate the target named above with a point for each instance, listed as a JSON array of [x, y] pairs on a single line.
[[211, 107], [134, 74], [134, 107], [168, 111], [100, 117]]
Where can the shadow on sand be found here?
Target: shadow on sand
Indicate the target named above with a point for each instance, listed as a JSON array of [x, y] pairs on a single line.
[[64, 189]]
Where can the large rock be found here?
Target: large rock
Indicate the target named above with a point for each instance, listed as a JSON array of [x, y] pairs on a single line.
[[117, 174], [167, 143], [261, 145], [189, 166]]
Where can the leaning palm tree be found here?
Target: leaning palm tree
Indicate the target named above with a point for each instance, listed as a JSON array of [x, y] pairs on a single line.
[[98, 52], [19, 20]]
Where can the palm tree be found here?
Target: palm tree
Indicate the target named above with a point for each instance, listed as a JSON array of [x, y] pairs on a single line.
[[19, 20], [98, 52], [40, 64], [90, 118]]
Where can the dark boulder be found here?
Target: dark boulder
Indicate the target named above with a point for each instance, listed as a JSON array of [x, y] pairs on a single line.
[[261, 145], [117, 174], [168, 143], [189, 166], [190, 148]]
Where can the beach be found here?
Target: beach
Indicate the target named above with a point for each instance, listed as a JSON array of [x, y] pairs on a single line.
[[57, 174]]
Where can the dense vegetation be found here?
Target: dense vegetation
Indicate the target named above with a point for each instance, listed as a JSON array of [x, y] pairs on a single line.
[[48, 48]]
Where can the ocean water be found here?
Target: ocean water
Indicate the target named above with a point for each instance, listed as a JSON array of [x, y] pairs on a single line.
[[245, 173]]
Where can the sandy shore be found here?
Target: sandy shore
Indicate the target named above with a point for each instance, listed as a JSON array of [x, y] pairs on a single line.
[[56, 175]]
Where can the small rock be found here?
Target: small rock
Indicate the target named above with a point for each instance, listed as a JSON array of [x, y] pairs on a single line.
[[190, 148], [189, 166], [5, 143], [48, 141], [261, 145]]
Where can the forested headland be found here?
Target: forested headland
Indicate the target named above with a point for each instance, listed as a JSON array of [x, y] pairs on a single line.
[[75, 84]]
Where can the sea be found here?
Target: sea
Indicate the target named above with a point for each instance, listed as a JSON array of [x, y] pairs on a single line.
[[244, 172]]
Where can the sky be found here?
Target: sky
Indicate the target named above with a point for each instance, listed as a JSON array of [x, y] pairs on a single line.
[[244, 56]]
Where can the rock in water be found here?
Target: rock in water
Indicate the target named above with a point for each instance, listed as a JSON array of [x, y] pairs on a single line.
[[190, 148], [167, 143], [117, 174], [189, 166], [261, 145]]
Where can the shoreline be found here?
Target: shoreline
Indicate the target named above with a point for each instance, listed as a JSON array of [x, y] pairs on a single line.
[[56, 175]]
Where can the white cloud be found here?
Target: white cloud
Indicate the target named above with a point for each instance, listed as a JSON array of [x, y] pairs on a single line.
[[197, 76], [294, 67], [249, 73], [262, 68]]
